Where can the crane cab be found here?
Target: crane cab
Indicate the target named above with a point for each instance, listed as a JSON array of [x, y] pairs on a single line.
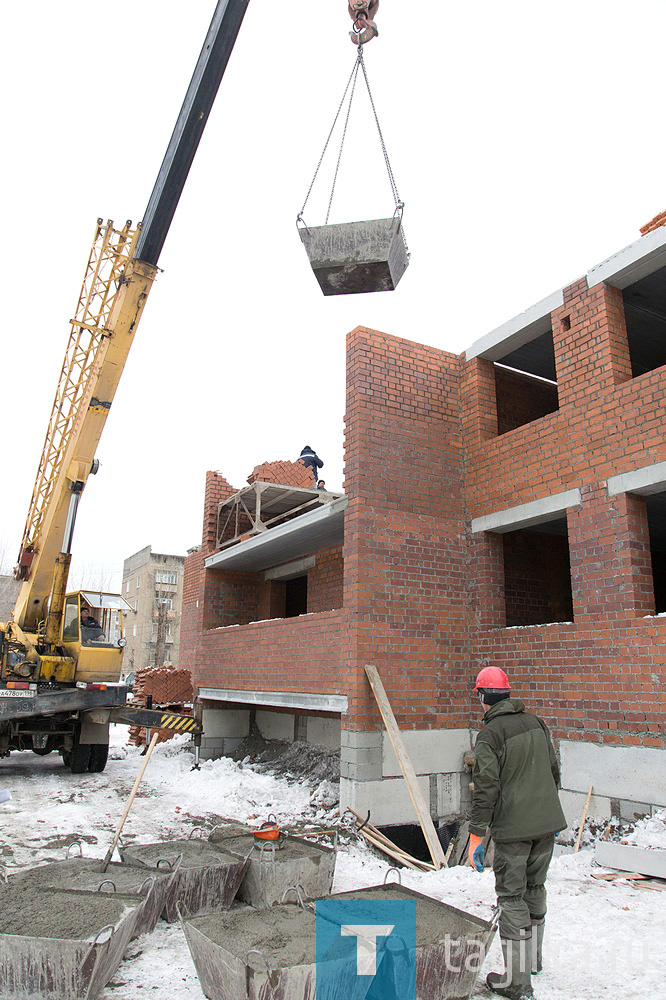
[[93, 634]]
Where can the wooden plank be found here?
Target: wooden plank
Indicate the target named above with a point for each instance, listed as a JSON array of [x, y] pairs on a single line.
[[612, 876], [460, 849], [387, 850], [407, 768], [378, 835], [582, 822]]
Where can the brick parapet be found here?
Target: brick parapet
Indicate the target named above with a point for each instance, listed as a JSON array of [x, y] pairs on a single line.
[[582, 443]]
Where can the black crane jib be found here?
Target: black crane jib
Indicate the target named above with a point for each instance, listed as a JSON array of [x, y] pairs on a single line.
[[191, 123]]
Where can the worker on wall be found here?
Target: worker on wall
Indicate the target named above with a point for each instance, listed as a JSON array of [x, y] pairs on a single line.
[[516, 780], [311, 460]]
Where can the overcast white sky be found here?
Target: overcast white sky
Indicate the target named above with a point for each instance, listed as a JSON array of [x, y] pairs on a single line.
[[526, 139]]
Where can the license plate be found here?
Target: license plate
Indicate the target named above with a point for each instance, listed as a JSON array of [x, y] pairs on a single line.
[[17, 694]]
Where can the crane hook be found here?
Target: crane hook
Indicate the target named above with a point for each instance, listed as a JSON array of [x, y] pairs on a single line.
[[362, 13]]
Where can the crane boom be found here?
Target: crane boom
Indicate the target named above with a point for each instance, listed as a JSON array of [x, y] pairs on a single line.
[[118, 279]]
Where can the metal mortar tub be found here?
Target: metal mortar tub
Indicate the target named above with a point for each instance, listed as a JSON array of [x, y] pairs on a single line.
[[274, 866], [257, 955], [206, 880], [451, 945], [62, 944], [87, 874], [354, 257]]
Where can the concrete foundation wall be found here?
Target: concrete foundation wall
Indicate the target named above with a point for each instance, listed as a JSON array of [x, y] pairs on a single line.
[[628, 782], [276, 725], [322, 732], [224, 729]]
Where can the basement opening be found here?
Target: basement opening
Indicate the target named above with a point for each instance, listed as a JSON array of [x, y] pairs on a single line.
[[656, 514], [526, 384], [537, 574], [409, 837]]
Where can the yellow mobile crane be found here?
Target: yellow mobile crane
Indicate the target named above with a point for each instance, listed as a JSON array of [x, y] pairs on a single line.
[[61, 654]]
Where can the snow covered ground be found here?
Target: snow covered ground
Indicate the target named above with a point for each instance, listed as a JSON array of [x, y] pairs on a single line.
[[602, 939]]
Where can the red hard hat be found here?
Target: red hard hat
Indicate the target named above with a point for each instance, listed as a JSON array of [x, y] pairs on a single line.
[[492, 677]]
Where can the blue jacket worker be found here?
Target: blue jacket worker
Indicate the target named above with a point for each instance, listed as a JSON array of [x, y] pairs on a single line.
[[311, 460]]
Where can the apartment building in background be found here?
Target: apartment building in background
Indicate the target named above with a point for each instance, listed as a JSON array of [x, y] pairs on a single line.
[[153, 585]]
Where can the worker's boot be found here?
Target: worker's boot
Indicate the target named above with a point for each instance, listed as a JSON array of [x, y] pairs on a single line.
[[538, 927], [516, 982]]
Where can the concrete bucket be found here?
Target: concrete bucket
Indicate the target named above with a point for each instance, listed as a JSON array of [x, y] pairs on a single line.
[[63, 945], [253, 955], [88, 874], [275, 866], [207, 878], [353, 257]]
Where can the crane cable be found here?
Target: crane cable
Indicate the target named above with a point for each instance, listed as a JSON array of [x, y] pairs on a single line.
[[359, 64]]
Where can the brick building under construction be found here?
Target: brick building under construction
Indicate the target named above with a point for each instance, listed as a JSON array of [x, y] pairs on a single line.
[[505, 506]]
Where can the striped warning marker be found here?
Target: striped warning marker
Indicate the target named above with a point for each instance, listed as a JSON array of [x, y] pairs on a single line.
[[179, 723]]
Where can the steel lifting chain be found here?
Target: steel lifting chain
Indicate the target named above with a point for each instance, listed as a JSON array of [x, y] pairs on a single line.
[[359, 65]]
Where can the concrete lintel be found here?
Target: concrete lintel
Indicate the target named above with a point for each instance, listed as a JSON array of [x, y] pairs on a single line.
[[646, 480], [645, 256], [290, 570], [627, 858], [527, 514], [279, 699], [518, 331]]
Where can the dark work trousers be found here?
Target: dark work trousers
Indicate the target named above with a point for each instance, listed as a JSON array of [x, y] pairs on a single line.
[[520, 873]]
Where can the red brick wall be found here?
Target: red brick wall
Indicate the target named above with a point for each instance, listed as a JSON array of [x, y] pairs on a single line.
[[325, 582], [599, 678], [290, 654], [405, 559]]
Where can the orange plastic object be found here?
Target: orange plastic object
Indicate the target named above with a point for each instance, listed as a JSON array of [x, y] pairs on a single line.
[[267, 831]]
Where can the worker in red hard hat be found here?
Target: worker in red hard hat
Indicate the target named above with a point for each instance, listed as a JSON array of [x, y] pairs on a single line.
[[516, 780]]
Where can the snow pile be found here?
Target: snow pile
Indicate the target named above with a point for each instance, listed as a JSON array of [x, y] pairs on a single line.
[[650, 832]]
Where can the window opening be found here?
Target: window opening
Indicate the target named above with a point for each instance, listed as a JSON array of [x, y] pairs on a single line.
[[537, 574], [296, 597], [526, 384], [656, 514], [645, 317]]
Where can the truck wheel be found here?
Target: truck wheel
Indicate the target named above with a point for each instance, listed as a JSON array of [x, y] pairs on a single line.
[[80, 758], [98, 755]]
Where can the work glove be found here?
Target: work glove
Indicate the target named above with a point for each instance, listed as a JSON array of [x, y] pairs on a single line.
[[477, 852]]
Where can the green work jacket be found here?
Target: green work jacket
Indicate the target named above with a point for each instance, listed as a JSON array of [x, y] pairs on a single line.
[[516, 776]]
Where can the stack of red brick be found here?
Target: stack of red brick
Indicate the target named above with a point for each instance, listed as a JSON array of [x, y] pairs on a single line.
[[283, 473], [659, 220], [170, 688]]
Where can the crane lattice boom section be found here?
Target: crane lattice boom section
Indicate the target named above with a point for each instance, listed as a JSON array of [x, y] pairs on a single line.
[[111, 250]]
